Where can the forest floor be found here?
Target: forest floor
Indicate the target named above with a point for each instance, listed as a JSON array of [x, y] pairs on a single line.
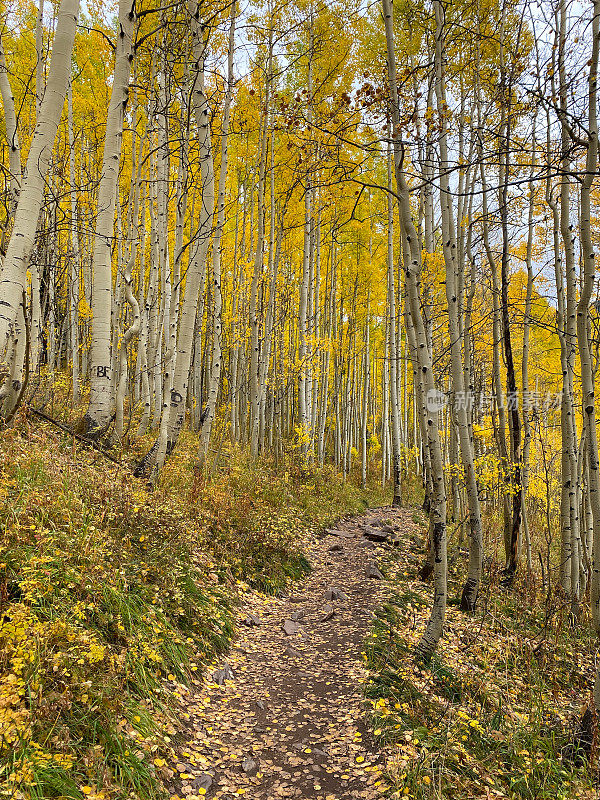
[[144, 644], [320, 696], [116, 600], [284, 715]]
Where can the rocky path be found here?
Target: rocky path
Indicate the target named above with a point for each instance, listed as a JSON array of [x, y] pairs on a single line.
[[283, 716]]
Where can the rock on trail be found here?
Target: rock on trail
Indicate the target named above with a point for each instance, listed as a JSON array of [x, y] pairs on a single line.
[[283, 717]]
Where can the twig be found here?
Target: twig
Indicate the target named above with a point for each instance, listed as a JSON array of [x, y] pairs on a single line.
[[78, 436]]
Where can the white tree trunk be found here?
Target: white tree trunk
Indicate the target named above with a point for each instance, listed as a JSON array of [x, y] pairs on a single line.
[[454, 301], [217, 353], [202, 234], [75, 259], [100, 409], [13, 278], [587, 371], [413, 266], [392, 345], [12, 138], [39, 66]]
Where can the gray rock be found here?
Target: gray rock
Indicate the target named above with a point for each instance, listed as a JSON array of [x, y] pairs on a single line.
[[373, 572], [336, 548], [339, 534], [375, 534], [290, 627], [219, 676], [251, 620], [388, 529], [296, 616], [291, 652], [249, 766], [203, 781], [328, 613], [367, 544], [335, 594]]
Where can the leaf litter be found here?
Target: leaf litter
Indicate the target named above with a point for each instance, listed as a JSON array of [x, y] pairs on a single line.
[[284, 716]]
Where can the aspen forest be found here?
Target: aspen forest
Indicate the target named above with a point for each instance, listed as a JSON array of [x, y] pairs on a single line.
[[299, 346]]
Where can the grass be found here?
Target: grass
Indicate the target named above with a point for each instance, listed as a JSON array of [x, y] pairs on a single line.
[[113, 596], [493, 715]]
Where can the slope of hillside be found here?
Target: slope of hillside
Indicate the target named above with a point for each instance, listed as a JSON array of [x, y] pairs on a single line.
[[111, 594]]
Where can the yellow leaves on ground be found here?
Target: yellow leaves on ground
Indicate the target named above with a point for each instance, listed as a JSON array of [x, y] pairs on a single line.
[[91, 794], [461, 722], [103, 601]]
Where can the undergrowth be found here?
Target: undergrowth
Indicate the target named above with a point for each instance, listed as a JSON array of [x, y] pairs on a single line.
[[113, 594], [493, 715]]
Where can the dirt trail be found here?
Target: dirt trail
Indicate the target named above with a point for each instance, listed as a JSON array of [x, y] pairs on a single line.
[[288, 719]]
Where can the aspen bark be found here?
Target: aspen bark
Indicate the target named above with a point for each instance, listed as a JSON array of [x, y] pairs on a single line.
[[255, 345], [412, 266], [197, 262], [587, 372], [570, 477], [512, 398], [12, 138], [396, 445], [75, 260], [528, 434], [454, 300], [100, 410], [13, 277], [215, 370]]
